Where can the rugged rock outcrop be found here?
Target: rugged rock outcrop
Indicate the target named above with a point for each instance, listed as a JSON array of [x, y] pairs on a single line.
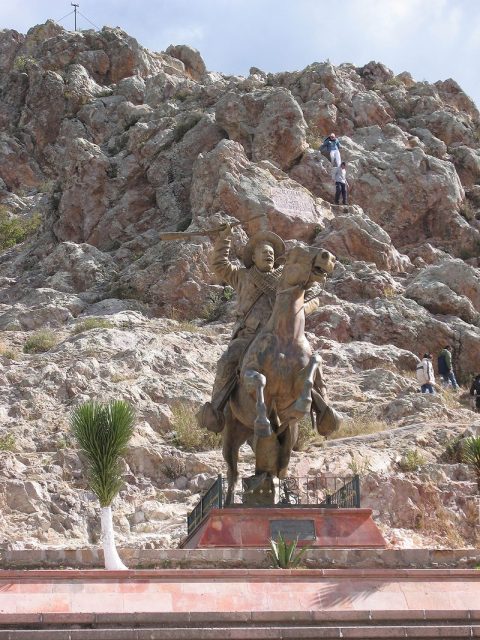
[[103, 145]]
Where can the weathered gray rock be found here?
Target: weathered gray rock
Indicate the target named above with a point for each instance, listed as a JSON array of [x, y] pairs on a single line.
[[191, 58], [111, 144], [268, 124], [352, 235]]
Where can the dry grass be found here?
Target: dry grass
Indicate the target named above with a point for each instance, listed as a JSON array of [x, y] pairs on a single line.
[[7, 352], [451, 398], [174, 468], [361, 425], [122, 377], [188, 435], [306, 435], [435, 520], [92, 323], [40, 341]]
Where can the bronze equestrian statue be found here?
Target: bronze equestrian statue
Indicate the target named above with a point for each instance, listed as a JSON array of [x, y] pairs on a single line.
[[279, 376]]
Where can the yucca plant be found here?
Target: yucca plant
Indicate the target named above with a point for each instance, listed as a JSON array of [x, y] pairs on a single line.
[[471, 454], [103, 432], [282, 553]]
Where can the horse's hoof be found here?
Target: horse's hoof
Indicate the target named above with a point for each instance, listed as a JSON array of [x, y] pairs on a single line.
[[262, 428]]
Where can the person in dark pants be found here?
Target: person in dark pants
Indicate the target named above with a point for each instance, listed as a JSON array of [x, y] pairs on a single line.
[[475, 391], [341, 184], [445, 368]]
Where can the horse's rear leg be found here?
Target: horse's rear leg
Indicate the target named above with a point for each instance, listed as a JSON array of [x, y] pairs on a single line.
[[255, 381], [304, 401], [286, 441], [234, 435]]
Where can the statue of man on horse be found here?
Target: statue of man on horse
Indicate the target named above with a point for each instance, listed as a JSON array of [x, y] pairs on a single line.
[[263, 303]]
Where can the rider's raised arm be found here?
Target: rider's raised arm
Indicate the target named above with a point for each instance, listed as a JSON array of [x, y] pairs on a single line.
[[221, 264]]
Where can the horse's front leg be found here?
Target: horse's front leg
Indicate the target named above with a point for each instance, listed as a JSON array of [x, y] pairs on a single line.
[[304, 401], [255, 381]]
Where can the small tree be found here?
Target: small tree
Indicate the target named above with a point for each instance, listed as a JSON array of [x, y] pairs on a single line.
[[103, 432]]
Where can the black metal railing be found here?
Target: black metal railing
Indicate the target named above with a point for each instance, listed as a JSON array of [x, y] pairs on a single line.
[[324, 491], [213, 498], [347, 497]]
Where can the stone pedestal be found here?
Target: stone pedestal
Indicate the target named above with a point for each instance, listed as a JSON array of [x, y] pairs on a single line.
[[240, 527]]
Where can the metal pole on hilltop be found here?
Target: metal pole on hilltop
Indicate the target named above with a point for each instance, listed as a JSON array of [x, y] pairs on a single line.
[[75, 7]]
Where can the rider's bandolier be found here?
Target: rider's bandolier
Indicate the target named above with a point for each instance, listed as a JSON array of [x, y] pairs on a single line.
[[256, 292]]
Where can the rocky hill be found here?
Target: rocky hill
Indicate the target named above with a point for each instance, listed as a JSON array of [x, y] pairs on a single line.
[[104, 144]]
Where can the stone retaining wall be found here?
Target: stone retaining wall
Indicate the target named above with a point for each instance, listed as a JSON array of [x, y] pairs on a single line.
[[241, 558]]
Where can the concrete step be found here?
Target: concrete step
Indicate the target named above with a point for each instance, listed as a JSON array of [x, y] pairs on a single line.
[[292, 632], [279, 625]]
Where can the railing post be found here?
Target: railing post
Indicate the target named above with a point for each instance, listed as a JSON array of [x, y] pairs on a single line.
[[220, 491], [356, 483]]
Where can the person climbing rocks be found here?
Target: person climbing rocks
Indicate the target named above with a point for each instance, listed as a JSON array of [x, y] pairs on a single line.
[[475, 391], [341, 184], [445, 368], [331, 145], [425, 374]]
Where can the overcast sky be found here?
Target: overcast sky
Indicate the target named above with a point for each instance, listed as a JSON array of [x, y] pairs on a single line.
[[432, 39]]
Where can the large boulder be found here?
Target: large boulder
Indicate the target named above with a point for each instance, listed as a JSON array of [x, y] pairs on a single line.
[[449, 288], [268, 123], [225, 180], [352, 235]]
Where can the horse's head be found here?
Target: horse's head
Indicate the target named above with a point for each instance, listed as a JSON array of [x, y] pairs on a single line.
[[306, 265]]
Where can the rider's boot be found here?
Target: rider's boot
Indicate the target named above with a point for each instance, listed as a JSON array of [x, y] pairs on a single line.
[[327, 420], [210, 418]]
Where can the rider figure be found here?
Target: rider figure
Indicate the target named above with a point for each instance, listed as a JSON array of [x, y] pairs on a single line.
[[256, 285]]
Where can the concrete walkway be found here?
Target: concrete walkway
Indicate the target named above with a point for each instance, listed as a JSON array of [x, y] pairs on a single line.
[[237, 590]]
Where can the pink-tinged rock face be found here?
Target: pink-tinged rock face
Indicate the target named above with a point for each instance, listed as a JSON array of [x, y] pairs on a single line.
[[108, 145], [269, 124]]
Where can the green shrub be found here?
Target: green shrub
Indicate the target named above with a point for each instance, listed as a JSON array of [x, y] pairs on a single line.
[[453, 451], [174, 468], [282, 553], [14, 229], [7, 443], [40, 342], [411, 460], [471, 454], [188, 435], [21, 63], [360, 466], [92, 323]]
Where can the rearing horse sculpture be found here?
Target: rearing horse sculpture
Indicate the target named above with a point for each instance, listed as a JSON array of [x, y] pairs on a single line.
[[277, 375]]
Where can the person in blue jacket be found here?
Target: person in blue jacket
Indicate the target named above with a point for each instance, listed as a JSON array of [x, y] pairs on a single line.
[[331, 145]]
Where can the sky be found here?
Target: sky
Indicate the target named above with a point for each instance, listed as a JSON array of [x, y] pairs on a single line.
[[432, 39]]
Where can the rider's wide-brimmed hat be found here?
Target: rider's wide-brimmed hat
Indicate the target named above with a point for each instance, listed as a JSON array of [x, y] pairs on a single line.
[[260, 238]]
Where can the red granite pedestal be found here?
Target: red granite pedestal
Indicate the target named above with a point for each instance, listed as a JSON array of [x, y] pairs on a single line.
[[315, 527]]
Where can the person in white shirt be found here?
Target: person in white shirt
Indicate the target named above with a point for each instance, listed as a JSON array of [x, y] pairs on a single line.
[[425, 375], [341, 184]]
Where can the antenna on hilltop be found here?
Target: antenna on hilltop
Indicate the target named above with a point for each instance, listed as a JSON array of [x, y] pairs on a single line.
[[76, 10], [75, 7]]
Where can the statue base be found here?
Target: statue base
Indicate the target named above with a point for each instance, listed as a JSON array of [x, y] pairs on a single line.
[[241, 527]]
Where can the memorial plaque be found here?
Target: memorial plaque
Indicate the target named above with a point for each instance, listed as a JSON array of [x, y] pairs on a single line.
[[292, 201], [293, 529]]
